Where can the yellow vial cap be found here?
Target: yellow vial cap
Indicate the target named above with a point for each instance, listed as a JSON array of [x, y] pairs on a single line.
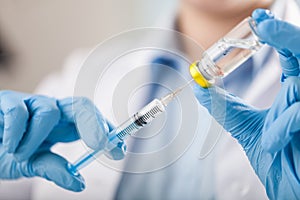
[[198, 77]]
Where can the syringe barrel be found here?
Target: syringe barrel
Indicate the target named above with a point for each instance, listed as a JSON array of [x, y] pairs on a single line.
[[129, 127], [139, 119]]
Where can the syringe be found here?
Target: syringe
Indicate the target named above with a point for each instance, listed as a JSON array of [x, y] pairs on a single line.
[[129, 127]]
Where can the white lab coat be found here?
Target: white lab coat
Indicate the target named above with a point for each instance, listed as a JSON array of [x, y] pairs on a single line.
[[233, 176]]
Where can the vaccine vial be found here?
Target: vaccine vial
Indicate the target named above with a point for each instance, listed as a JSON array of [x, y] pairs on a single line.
[[227, 54]]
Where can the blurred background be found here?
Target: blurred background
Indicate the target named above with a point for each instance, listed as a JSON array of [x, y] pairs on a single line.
[[36, 36]]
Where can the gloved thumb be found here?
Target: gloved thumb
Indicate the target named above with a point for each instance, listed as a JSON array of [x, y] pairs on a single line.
[[91, 126], [260, 15], [117, 153], [54, 168], [283, 129], [282, 121], [117, 148]]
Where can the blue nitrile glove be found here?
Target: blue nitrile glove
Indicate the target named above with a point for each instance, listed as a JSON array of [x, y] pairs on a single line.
[[279, 171], [31, 124], [285, 38], [269, 137]]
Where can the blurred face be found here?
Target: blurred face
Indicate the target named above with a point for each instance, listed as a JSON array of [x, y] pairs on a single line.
[[228, 7]]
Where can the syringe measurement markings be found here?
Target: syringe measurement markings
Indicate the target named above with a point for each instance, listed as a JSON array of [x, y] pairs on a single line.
[[127, 131], [136, 122], [151, 114], [139, 122]]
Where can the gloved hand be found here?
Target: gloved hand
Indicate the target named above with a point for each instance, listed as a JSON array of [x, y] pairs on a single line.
[[269, 137], [285, 38], [31, 124]]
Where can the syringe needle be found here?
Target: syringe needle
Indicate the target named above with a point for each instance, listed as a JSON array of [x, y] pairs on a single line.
[[132, 125], [182, 87], [169, 97]]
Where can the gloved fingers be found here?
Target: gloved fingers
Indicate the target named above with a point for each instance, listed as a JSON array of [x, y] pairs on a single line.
[[63, 132], [110, 126], [117, 153], [289, 64], [90, 124], [287, 96], [282, 36], [279, 34], [44, 116], [53, 168], [260, 15], [235, 116], [282, 130], [8, 167], [15, 116]]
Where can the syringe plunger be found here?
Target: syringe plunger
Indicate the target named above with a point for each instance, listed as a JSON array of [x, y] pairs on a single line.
[[129, 127]]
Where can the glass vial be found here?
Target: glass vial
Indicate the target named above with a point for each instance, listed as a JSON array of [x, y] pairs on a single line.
[[227, 54]]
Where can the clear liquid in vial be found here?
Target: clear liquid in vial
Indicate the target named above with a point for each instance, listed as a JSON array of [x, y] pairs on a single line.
[[227, 54]]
